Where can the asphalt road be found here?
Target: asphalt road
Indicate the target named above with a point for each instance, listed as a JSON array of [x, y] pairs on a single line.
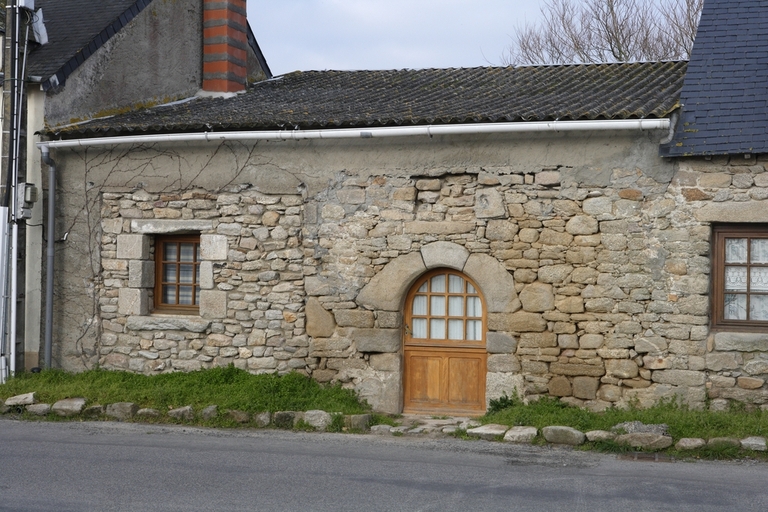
[[121, 466]]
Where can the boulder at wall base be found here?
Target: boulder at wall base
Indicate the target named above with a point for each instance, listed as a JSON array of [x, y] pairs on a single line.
[[182, 413], [645, 440], [122, 410], [488, 432], [69, 406], [563, 435], [520, 434], [25, 399]]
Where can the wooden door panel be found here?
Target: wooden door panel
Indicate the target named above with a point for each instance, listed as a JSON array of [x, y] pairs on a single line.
[[423, 378], [465, 374]]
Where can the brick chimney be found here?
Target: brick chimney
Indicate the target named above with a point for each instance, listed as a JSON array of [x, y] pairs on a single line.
[[225, 45]]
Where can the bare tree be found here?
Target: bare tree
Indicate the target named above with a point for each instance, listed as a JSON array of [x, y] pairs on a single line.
[[589, 31]]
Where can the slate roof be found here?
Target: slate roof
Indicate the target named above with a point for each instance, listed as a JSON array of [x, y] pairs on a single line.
[[78, 28], [725, 95], [337, 99]]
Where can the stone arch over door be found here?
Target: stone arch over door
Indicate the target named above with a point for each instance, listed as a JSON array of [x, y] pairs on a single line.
[[388, 289]]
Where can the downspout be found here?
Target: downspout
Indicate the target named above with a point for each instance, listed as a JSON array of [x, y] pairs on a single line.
[[49, 255]]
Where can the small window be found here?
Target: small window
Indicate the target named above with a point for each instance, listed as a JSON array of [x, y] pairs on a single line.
[[740, 277], [177, 273]]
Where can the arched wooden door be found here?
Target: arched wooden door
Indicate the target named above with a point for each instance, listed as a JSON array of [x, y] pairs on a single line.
[[444, 355]]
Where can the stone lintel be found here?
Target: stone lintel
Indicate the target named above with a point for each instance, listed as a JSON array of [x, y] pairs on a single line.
[[170, 226], [749, 211]]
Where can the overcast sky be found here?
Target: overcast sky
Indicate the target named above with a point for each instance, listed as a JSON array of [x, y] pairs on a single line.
[[385, 34]]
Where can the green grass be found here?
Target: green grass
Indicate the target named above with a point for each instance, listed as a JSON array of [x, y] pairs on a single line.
[[229, 388]]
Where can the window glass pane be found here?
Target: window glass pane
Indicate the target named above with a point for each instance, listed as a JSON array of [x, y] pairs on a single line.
[[735, 250], [185, 295], [736, 279], [474, 307], [759, 252], [423, 287], [471, 289], [420, 305], [169, 295], [437, 305], [169, 273], [438, 284], [455, 329], [197, 295], [437, 329], [735, 306], [455, 306], [474, 330], [420, 328], [758, 307], [758, 279], [186, 273], [455, 284], [187, 251], [169, 252]]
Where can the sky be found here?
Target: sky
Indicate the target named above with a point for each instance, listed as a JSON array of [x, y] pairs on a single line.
[[386, 34]]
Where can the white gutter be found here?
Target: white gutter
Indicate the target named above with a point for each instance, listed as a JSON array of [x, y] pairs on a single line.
[[374, 132]]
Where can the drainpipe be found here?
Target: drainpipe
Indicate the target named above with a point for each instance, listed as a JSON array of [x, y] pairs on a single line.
[[50, 253], [374, 132]]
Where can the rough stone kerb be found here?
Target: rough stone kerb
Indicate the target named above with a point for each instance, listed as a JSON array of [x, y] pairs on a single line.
[[387, 290]]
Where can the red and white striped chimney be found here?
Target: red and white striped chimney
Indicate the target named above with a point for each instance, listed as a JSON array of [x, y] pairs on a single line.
[[225, 45]]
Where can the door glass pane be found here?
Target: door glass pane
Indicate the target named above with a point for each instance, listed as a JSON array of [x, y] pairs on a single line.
[[474, 330], [474, 307], [187, 252], [438, 284], [437, 305], [185, 295], [759, 252], [758, 307], [169, 273], [736, 279], [735, 250], [455, 329], [420, 328], [456, 306], [420, 305], [437, 329], [758, 279], [169, 295], [169, 251], [186, 273], [455, 284], [735, 306]]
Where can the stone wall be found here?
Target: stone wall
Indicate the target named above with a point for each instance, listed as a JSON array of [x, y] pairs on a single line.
[[595, 273]]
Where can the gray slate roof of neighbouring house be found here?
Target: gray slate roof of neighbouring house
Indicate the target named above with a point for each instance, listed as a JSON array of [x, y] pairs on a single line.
[[78, 28], [725, 95], [338, 99]]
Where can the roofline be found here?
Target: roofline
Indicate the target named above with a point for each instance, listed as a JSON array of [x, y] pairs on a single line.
[[60, 76], [368, 133]]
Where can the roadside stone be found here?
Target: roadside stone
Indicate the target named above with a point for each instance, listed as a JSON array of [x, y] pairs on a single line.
[[359, 422], [488, 432], [262, 419], [381, 430], [182, 413], [25, 399], [521, 434], [148, 412], [600, 435], [39, 409], [283, 419], [4, 409], [755, 443], [237, 416], [69, 406], [319, 420], [122, 410], [93, 411], [690, 443], [645, 440], [210, 412], [631, 427], [563, 435], [724, 441], [399, 430]]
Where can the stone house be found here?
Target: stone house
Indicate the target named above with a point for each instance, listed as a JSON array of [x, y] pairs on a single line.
[[433, 238], [103, 58]]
